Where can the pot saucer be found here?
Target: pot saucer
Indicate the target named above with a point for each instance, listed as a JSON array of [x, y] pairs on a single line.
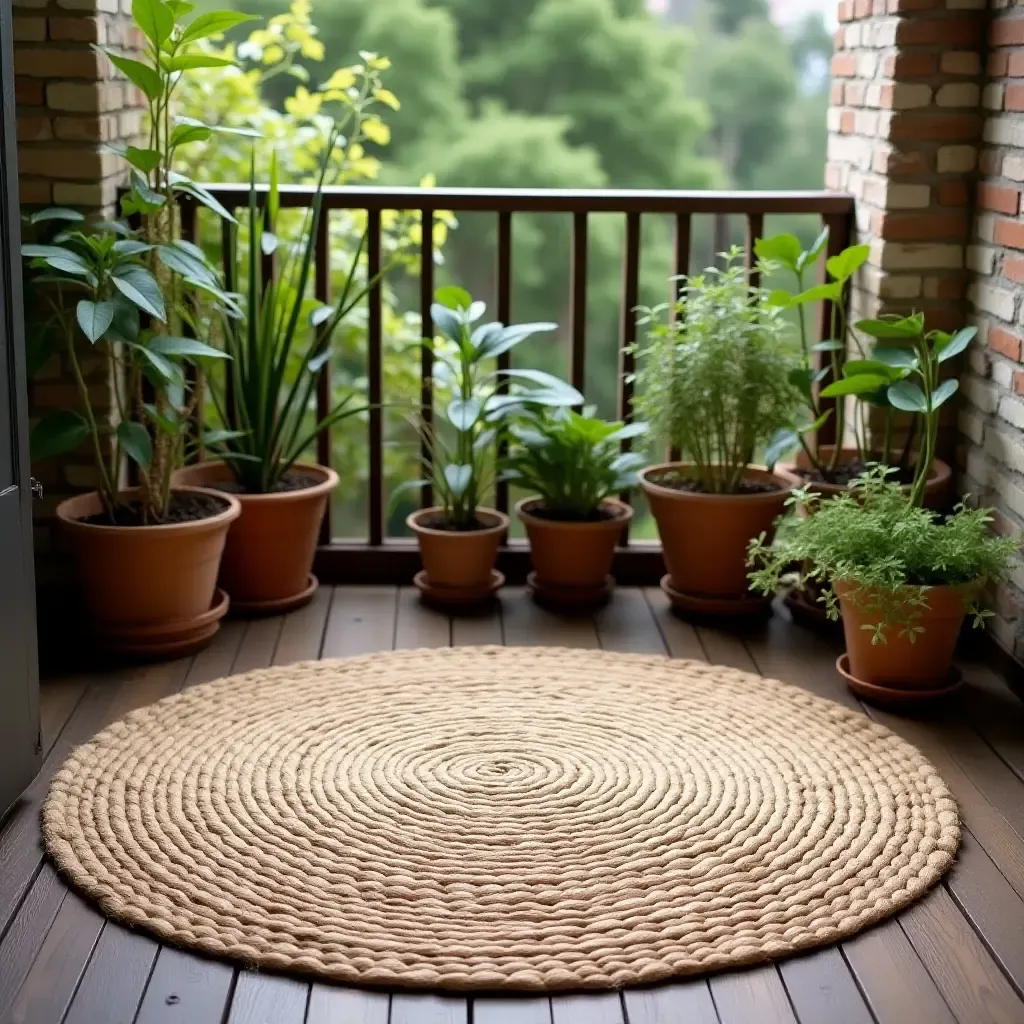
[[455, 596], [892, 695], [140, 637], [159, 650], [718, 607], [277, 605], [567, 598]]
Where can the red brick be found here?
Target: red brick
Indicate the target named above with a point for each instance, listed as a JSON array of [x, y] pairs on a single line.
[[28, 93], [997, 64], [862, 8], [953, 193], [844, 65], [1004, 342], [1006, 32], [1018, 382], [1010, 233], [1015, 65], [59, 64], [854, 93], [945, 286], [835, 94], [990, 163], [34, 193], [998, 198], [1013, 269], [910, 65], [838, 38], [920, 227], [933, 126], [34, 129], [1014, 97], [847, 119], [939, 31], [894, 163], [846, 10], [903, 6], [77, 30]]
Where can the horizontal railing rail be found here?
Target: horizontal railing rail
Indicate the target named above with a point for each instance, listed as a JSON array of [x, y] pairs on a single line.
[[380, 559]]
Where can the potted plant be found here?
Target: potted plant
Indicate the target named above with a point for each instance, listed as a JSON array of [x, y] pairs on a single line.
[[147, 555], [902, 576], [714, 385], [263, 424], [459, 537], [574, 466], [862, 380]]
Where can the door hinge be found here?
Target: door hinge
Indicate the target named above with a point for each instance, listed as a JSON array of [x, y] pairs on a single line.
[[37, 488]]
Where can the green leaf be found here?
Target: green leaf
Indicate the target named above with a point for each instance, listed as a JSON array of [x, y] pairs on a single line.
[[485, 334], [95, 317], [782, 443], [907, 328], [141, 198], [828, 346], [453, 297], [190, 347], [154, 18], [66, 260], [142, 75], [907, 396], [944, 392], [268, 242], [446, 321], [846, 263], [784, 248], [191, 61], [512, 336], [781, 298], [179, 8], [857, 366], [179, 259], [463, 413], [812, 254], [200, 193], [213, 23], [956, 344], [159, 370], [547, 381], [59, 432], [55, 213], [136, 442], [819, 293], [130, 247], [801, 377], [458, 478], [182, 134], [858, 385], [320, 315], [139, 286], [895, 356], [145, 160]]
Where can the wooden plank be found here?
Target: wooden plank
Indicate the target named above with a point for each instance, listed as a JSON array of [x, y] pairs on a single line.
[[329, 1004], [757, 994], [259, 644], [969, 979], [24, 937], [822, 989], [722, 647], [409, 1008], [512, 1011], [302, 634], [361, 620], [688, 1002], [262, 998], [57, 699], [996, 713], [526, 624], [419, 625], [627, 624], [217, 660], [679, 636], [605, 1008], [186, 989], [51, 982], [989, 902], [895, 983], [482, 628], [115, 980]]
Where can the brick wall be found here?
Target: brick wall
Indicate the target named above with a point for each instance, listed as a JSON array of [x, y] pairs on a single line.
[[70, 104]]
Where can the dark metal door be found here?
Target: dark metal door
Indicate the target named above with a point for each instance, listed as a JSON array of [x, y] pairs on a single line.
[[19, 675]]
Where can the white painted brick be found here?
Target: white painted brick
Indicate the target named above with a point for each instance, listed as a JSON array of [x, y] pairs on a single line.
[[1005, 131], [981, 259], [833, 119], [1005, 632], [1002, 371], [885, 33], [996, 301], [915, 256], [873, 95], [980, 393], [977, 466], [852, 35], [958, 94], [972, 426], [1013, 166], [866, 122], [978, 360], [1012, 410], [956, 159], [992, 97], [1006, 448], [985, 226], [907, 197], [867, 64]]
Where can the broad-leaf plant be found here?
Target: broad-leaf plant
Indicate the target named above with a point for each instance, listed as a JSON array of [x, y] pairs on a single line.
[[133, 288]]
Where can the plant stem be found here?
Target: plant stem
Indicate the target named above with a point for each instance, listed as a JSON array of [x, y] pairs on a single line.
[[108, 494]]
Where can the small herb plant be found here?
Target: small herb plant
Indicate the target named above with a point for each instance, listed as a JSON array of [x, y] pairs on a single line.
[[462, 441], [140, 294], [572, 461], [890, 549], [715, 381]]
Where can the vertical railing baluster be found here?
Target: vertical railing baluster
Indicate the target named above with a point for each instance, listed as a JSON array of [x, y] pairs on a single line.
[[627, 359], [426, 356], [375, 363], [578, 303], [681, 268], [322, 291], [504, 313], [193, 377], [838, 239], [755, 230], [227, 239]]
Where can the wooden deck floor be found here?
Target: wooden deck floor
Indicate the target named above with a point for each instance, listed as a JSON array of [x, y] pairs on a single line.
[[958, 955]]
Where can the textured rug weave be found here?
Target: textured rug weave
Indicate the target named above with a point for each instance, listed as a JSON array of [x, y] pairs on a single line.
[[499, 818]]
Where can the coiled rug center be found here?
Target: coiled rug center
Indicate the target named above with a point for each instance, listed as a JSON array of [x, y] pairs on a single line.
[[499, 818]]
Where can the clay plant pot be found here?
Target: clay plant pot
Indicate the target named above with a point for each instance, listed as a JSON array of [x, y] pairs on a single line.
[[270, 546], [704, 539], [915, 671], [936, 490], [458, 565], [150, 590], [572, 560]]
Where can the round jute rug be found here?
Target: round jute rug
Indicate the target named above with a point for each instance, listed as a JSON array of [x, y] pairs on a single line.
[[499, 818]]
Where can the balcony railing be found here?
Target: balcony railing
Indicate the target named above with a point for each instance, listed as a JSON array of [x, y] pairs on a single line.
[[378, 558]]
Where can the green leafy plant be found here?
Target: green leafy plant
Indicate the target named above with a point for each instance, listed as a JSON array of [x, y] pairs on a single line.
[[267, 401], [889, 548], [572, 461], [462, 443], [143, 295], [714, 381]]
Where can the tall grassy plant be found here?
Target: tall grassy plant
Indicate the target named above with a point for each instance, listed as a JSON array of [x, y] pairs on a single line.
[[714, 381]]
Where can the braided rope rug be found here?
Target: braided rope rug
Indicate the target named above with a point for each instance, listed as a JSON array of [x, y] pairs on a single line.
[[498, 818]]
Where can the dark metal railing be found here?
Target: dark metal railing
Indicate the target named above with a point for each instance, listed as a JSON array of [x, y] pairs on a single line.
[[379, 559]]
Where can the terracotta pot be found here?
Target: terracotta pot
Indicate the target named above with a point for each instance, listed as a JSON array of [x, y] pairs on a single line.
[[270, 547], [924, 664], [704, 537], [460, 562], [149, 587], [573, 556], [936, 490]]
